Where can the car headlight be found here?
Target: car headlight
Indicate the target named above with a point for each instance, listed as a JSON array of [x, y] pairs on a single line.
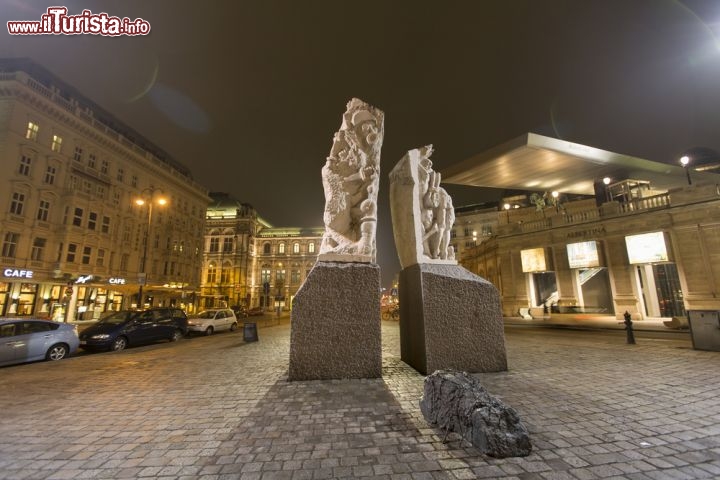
[[102, 336]]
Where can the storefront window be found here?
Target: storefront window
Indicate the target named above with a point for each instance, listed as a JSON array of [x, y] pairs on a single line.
[[26, 300]]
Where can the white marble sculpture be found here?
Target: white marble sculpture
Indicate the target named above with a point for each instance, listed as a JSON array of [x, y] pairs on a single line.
[[422, 211], [350, 179]]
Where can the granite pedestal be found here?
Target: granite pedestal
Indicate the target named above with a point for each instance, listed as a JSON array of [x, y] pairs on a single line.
[[450, 318], [335, 330]]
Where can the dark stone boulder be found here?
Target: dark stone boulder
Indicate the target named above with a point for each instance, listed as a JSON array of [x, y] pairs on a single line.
[[457, 402]]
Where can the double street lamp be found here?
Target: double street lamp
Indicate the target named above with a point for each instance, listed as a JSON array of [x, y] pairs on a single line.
[[149, 197]]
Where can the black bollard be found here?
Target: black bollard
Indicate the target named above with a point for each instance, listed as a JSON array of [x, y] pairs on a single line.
[[629, 329]]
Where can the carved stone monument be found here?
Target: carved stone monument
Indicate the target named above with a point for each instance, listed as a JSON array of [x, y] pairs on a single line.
[[450, 318], [335, 330]]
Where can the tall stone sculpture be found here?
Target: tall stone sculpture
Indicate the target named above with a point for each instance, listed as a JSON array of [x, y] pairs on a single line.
[[335, 330], [450, 318], [351, 177]]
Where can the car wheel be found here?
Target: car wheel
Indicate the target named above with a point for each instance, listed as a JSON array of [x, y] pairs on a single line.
[[119, 344], [57, 352], [209, 330], [233, 327], [177, 335]]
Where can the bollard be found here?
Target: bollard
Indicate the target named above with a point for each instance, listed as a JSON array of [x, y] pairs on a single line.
[[629, 329]]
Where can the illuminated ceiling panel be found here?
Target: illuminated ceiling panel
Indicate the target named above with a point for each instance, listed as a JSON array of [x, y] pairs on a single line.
[[536, 162]]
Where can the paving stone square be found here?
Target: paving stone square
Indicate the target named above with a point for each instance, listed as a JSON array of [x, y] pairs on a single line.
[[218, 408]]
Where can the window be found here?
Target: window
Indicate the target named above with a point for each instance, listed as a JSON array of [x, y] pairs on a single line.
[[100, 259], [9, 248], [311, 247], [214, 244], [105, 225], [50, 175], [17, 203], [266, 249], [43, 211], [25, 162], [77, 217], [32, 131], [225, 274], [71, 251], [265, 275], [92, 161], [92, 220], [296, 247], [228, 244], [281, 248], [120, 175], [294, 277], [279, 276], [38, 249], [77, 156], [124, 260], [468, 231], [56, 143], [87, 252], [134, 181], [104, 167], [211, 274]]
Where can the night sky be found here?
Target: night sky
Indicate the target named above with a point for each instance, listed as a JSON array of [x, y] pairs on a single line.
[[248, 94]]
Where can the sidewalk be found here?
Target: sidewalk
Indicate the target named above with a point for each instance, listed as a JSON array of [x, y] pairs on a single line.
[[591, 321]]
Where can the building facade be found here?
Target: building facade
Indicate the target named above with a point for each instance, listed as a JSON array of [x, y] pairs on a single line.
[[654, 256], [249, 262], [74, 241], [473, 225]]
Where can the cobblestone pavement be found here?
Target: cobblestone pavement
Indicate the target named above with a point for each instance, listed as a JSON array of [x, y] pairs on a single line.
[[215, 407]]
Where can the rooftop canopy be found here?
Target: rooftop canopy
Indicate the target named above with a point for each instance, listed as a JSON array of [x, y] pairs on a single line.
[[536, 162]]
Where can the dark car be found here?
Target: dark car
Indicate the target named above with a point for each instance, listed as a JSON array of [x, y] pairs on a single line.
[[129, 328], [241, 311], [256, 311]]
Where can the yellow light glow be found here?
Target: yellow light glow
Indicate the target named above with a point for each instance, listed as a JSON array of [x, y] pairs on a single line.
[[140, 202]]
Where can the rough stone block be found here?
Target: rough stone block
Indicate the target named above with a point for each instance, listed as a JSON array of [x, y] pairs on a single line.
[[457, 402], [450, 318], [335, 330]]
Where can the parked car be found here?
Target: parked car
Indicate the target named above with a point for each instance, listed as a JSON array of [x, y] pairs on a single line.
[[28, 340], [210, 321], [129, 328], [256, 311]]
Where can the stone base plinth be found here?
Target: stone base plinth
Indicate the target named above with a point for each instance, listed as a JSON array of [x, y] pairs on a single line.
[[335, 330], [450, 319]]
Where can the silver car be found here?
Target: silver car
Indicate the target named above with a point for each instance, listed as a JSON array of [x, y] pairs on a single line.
[[215, 320], [27, 340]]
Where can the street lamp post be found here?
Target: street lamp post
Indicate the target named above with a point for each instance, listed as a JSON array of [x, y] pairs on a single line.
[[147, 197], [685, 162]]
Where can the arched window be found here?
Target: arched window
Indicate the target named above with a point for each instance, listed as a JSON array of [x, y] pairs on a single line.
[[211, 273], [311, 247], [266, 248], [281, 248], [296, 247]]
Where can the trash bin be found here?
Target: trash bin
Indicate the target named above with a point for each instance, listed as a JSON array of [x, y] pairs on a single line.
[[705, 329], [250, 332]]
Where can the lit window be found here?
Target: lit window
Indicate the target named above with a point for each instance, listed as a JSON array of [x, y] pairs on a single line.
[[279, 276], [265, 275], [296, 247], [56, 143], [25, 165], [281, 248], [32, 131], [311, 247], [212, 274]]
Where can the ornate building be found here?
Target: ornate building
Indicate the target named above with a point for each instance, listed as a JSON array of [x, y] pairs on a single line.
[[248, 262], [74, 241]]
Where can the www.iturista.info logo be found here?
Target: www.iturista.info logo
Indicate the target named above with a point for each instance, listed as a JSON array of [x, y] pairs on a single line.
[[57, 22]]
